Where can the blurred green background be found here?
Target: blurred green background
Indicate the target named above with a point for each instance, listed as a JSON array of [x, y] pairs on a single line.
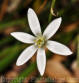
[[59, 69]]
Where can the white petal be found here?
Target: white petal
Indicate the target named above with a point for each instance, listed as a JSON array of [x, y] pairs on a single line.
[[26, 55], [58, 48], [52, 28], [23, 37], [33, 22], [41, 60]]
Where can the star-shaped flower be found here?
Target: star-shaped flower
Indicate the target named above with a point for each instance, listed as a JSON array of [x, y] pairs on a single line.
[[40, 41]]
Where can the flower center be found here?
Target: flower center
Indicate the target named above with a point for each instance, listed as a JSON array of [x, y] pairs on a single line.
[[40, 41]]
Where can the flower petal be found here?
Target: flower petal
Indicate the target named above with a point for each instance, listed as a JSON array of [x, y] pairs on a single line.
[[33, 22], [26, 55], [58, 48], [41, 60], [52, 28], [23, 37]]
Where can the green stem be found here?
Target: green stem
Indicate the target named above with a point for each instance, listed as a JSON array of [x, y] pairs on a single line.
[[52, 6]]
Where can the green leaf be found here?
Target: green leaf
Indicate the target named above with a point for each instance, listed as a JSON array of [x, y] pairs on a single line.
[[78, 50], [12, 23], [25, 73], [10, 57]]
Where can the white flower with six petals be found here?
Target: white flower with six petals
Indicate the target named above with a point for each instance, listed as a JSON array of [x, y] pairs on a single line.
[[40, 41]]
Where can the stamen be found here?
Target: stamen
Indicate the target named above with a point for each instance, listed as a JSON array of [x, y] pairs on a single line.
[[40, 41]]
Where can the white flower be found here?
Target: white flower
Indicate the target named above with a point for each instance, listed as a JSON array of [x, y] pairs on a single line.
[[40, 41]]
